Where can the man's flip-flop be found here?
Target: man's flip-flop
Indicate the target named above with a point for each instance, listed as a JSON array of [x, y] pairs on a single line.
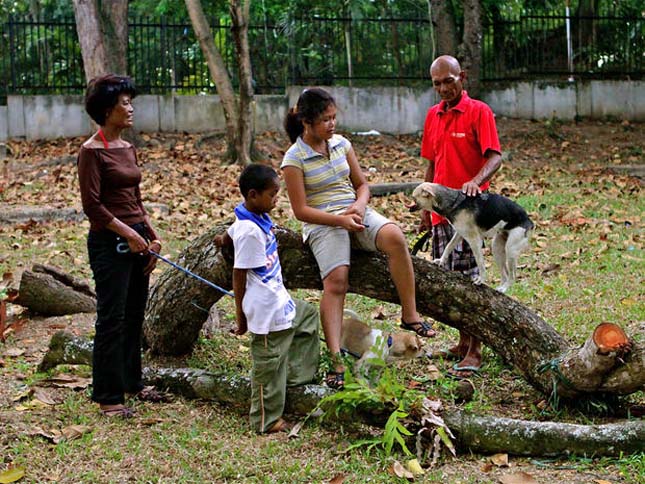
[[474, 370]]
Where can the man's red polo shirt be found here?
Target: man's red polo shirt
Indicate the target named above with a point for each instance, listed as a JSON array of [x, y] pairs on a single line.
[[456, 140]]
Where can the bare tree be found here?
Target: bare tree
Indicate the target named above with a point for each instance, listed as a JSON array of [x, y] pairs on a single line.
[[103, 35], [447, 42], [443, 22], [470, 50], [239, 119]]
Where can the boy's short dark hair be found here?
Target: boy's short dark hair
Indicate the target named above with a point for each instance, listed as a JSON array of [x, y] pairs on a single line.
[[256, 177], [103, 93]]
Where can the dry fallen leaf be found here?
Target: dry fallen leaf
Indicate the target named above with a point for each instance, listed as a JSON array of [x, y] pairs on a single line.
[[500, 460], [517, 478], [75, 431], [293, 433], [433, 373], [12, 474], [151, 421], [68, 381], [414, 467], [400, 471], [44, 396], [14, 352], [486, 467], [338, 479], [52, 435]]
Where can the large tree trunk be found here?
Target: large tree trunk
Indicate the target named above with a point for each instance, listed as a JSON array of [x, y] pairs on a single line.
[[217, 69], [103, 35], [471, 47], [512, 330], [240, 17], [472, 432], [443, 22]]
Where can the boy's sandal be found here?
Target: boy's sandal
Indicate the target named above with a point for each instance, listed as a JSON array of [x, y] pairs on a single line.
[[335, 380], [280, 426], [119, 412], [421, 328], [151, 394]]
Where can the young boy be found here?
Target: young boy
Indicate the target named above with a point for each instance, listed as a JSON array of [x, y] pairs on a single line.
[[284, 334]]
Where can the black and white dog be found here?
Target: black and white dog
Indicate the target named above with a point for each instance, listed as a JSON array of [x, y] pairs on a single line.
[[473, 218]]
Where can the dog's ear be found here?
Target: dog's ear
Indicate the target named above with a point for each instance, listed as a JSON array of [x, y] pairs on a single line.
[[431, 188], [427, 189]]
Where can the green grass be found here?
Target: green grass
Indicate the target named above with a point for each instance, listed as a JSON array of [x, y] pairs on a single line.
[[580, 212]]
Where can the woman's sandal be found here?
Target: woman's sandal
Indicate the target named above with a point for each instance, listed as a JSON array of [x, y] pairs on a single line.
[[151, 394], [421, 328], [120, 412], [335, 379]]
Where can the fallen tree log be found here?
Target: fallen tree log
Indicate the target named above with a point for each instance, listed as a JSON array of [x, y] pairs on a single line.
[[523, 437], [384, 189], [25, 213], [476, 433], [48, 290], [513, 331]]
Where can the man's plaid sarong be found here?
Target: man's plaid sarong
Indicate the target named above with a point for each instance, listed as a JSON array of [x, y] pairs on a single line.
[[462, 258]]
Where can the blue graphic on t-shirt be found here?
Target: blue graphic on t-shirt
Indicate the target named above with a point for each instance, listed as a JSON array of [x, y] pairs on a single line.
[[271, 269]]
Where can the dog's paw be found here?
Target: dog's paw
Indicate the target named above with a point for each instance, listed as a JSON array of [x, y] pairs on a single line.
[[503, 288], [478, 281], [439, 262]]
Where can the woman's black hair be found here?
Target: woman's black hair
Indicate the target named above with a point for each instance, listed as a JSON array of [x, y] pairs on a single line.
[[256, 177], [311, 104], [103, 93]]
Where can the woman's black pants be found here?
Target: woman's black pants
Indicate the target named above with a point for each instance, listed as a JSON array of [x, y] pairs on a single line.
[[121, 296]]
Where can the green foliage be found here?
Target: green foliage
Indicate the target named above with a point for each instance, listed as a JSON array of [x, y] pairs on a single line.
[[390, 393]]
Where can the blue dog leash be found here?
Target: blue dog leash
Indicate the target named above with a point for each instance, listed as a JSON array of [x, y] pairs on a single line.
[[124, 248]]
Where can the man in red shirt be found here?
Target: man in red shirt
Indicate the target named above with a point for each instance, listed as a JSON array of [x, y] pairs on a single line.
[[461, 144]]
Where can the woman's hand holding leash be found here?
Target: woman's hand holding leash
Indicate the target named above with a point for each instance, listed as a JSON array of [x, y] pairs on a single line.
[[154, 246], [136, 243]]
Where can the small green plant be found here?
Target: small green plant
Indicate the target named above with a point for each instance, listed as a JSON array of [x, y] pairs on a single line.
[[389, 392]]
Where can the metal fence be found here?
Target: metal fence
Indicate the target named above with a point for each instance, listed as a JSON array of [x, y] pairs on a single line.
[[164, 56], [537, 46]]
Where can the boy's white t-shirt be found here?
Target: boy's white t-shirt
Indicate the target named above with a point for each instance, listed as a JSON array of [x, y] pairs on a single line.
[[266, 304]]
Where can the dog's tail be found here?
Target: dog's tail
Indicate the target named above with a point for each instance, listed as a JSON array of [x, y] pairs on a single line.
[[528, 227]]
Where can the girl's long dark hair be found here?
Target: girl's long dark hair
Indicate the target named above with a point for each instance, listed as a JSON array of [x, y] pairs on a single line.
[[311, 104]]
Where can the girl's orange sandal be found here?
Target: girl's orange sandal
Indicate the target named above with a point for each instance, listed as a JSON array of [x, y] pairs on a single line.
[[335, 379]]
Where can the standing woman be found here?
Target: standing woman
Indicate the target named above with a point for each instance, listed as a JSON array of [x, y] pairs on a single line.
[[329, 193], [109, 179]]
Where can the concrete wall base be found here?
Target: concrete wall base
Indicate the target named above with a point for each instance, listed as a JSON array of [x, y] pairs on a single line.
[[395, 110]]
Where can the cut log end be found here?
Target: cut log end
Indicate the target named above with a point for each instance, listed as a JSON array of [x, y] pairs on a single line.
[[610, 337]]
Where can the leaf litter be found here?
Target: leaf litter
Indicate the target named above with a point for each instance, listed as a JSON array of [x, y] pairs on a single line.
[[185, 174]]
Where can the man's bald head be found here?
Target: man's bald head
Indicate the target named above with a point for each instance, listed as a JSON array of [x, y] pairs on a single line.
[[445, 63], [447, 78]]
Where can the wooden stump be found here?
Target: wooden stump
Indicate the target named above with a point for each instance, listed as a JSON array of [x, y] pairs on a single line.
[[49, 291]]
